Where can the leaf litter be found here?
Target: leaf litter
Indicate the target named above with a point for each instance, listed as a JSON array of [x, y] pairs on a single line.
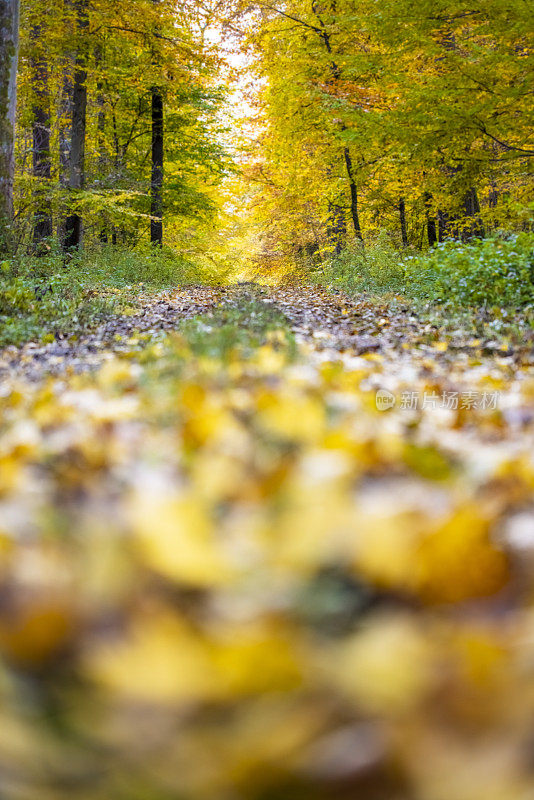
[[229, 572]]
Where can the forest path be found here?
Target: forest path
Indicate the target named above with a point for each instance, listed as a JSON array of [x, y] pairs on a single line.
[[332, 323], [238, 518], [154, 315], [416, 366]]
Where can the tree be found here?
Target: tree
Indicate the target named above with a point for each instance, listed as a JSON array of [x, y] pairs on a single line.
[[9, 50], [74, 223], [41, 155], [405, 115]]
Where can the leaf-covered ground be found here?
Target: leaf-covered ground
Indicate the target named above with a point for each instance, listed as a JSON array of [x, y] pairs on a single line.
[[285, 552]]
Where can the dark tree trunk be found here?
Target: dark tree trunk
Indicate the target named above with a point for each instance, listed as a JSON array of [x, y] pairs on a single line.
[[74, 223], [431, 230], [101, 127], [431, 227], [64, 137], [156, 184], [335, 73], [41, 160], [353, 196], [9, 51], [402, 215], [472, 209]]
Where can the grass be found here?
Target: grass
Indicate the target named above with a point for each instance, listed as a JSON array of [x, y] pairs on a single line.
[[242, 324], [376, 268], [484, 286], [56, 295]]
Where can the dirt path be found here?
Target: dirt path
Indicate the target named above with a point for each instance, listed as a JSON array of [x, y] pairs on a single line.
[[158, 315], [229, 563], [332, 323], [418, 369]]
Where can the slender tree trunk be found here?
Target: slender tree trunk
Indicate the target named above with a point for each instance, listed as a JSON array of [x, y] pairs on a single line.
[[156, 178], [9, 51], [101, 126], [156, 184], [74, 223], [353, 196], [41, 161], [402, 215], [472, 209], [64, 137], [335, 77], [430, 221]]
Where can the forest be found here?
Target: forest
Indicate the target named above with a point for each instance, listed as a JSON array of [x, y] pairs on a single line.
[[266, 400]]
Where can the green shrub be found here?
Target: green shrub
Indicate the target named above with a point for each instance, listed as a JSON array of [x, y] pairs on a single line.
[[33, 307], [498, 271], [156, 268], [56, 295], [375, 267]]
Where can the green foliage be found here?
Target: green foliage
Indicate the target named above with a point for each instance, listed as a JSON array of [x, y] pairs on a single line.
[[493, 272], [128, 48], [36, 307], [154, 267], [54, 295], [376, 267], [241, 325], [498, 271], [429, 102]]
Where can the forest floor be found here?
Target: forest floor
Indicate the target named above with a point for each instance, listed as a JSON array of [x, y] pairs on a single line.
[[314, 509]]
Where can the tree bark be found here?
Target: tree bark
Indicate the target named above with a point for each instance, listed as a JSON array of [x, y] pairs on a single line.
[[74, 222], [353, 196], [472, 209], [402, 215], [9, 51], [41, 161], [101, 126], [156, 183], [337, 227], [156, 178], [430, 221], [336, 75]]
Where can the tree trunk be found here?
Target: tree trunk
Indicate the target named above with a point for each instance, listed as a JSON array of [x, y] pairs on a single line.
[[353, 196], [156, 184], [74, 223], [402, 215], [472, 209], [41, 161], [156, 178], [430, 221], [9, 51], [101, 126]]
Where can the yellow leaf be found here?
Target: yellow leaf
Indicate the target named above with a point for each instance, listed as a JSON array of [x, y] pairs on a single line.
[[176, 538]]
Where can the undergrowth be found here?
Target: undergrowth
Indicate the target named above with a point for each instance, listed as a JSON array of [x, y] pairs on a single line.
[[57, 295], [242, 324], [486, 285]]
